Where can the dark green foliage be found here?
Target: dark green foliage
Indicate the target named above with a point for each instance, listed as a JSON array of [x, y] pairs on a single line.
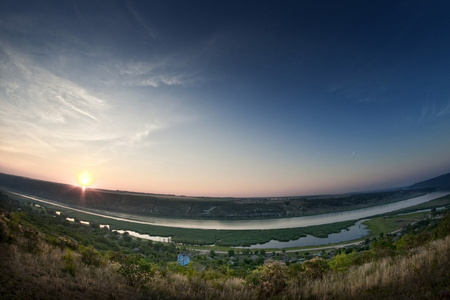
[[135, 269], [69, 262], [342, 262], [91, 257], [195, 207], [32, 237], [383, 247], [140, 264], [5, 235]]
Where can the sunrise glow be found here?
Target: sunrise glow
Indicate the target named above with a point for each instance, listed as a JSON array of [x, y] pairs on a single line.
[[260, 99], [85, 180]]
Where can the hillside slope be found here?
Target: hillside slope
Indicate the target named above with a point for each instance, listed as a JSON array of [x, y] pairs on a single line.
[[200, 207], [441, 182], [40, 261]]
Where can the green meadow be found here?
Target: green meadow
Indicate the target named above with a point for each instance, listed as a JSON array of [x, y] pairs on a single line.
[[197, 237]]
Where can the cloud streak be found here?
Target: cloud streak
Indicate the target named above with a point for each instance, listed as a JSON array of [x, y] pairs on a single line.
[[432, 111], [43, 113], [151, 32], [142, 73]]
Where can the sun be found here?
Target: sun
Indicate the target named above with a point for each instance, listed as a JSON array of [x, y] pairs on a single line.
[[85, 180]]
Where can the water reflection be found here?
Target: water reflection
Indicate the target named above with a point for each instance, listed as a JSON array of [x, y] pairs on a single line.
[[146, 236], [354, 232], [256, 224]]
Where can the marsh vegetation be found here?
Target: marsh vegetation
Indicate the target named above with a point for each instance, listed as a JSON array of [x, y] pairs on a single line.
[[45, 256]]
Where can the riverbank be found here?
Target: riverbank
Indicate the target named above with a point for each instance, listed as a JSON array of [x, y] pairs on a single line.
[[145, 205], [215, 236]]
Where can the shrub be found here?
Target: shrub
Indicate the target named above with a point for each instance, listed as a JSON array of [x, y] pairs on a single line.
[[270, 278], [5, 235], [316, 267], [91, 257], [32, 244], [69, 262], [137, 272], [342, 262]]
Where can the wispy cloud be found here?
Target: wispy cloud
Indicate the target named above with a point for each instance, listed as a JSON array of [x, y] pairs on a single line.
[[149, 74], [151, 31], [352, 155], [431, 110], [33, 92], [59, 106], [43, 113], [48, 116], [444, 111]]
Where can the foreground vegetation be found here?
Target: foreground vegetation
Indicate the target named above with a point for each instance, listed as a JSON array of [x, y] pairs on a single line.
[[46, 257]]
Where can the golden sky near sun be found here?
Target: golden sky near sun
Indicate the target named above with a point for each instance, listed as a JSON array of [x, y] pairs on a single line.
[[85, 179]]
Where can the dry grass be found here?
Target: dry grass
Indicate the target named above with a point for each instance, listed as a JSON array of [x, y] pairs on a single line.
[[32, 269], [43, 276], [177, 286], [422, 275]]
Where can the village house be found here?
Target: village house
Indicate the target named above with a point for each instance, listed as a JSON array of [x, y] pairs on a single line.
[[183, 259]]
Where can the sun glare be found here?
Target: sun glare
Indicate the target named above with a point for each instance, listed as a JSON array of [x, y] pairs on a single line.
[[85, 180]]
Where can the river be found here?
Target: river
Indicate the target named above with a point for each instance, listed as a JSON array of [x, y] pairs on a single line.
[[354, 232], [255, 224]]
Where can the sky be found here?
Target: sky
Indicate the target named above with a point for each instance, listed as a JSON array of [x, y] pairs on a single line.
[[226, 98]]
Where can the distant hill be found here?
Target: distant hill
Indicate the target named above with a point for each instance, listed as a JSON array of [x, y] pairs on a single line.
[[208, 207], [441, 182]]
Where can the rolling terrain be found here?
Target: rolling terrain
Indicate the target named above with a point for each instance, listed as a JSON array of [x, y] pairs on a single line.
[[172, 206], [46, 257]]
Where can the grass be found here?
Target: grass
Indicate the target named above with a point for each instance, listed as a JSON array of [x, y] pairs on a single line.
[[395, 220], [421, 275], [223, 239], [388, 224], [440, 202], [46, 274], [32, 266], [206, 208], [202, 236]]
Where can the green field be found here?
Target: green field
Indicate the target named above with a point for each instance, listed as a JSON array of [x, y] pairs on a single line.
[[228, 238]]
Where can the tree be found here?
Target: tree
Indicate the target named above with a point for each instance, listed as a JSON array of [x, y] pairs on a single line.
[[342, 262]]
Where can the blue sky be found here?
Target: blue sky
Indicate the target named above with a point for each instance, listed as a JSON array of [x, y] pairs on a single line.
[[234, 98]]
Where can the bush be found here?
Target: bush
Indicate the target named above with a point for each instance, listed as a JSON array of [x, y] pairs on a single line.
[[32, 244], [5, 235], [69, 262], [316, 267], [342, 262], [91, 257], [137, 271], [271, 278]]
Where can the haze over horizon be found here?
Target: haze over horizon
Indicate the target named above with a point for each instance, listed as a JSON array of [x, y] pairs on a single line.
[[226, 99]]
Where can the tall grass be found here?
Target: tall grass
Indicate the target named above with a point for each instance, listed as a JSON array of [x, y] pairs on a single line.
[[424, 274], [46, 271]]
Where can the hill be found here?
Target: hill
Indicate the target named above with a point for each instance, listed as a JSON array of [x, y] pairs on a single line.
[[441, 182], [200, 207], [46, 257]]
